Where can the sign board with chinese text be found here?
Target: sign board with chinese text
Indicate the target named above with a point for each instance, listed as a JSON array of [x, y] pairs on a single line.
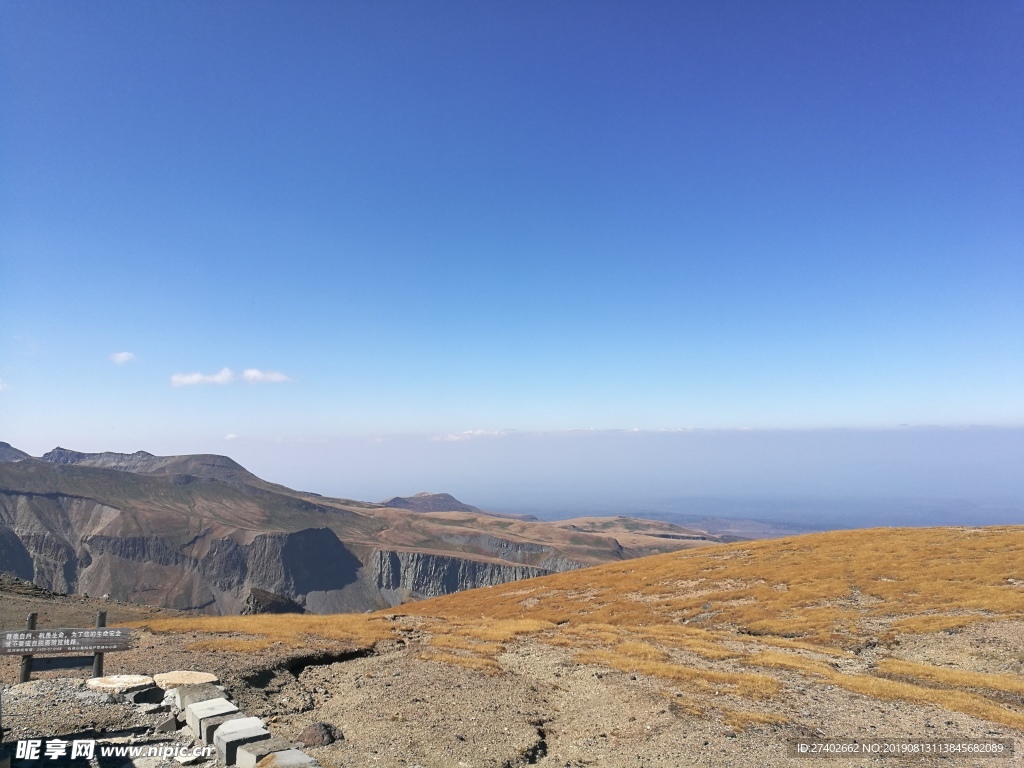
[[99, 640]]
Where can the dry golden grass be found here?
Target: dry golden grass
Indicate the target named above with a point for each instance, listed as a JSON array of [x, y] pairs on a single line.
[[690, 678], [788, 661], [919, 625], [644, 651], [233, 644], [740, 719], [454, 642], [290, 630], [816, 587], [500, 631], [957, 678], [953, 700], [702, 619], [778, 605]]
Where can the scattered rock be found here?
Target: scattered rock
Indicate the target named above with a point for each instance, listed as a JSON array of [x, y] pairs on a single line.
[[320, 735], [169, 725], [151, 695]]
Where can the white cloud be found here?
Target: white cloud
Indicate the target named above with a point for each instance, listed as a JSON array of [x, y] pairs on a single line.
[[4, 386], [122, 357], [456, 437], [231, 436], [223, 376], [256, 375]]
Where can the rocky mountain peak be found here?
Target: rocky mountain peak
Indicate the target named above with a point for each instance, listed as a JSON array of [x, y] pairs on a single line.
[[66, 456], [9, 453], [429, 502]]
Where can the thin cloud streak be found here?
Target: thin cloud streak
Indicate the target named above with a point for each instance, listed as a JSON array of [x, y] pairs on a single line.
[[223, 376], [255, 375], [120, 358]]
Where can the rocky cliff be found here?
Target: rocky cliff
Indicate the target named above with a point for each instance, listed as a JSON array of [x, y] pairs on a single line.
[[402, 576]]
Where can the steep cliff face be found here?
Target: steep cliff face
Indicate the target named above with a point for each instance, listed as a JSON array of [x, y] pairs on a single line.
[[42, 540], [404, 575]]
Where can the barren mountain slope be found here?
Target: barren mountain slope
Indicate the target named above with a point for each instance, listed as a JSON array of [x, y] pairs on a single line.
[[202, 533]]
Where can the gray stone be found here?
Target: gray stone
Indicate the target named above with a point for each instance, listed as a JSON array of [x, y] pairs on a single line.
[[5, 759], [289, 758], [227, 740], [190, 694], [150, 695], [211, 724], [319, 735], [250, 754], [170, 725], [153, 709], [195, 713]]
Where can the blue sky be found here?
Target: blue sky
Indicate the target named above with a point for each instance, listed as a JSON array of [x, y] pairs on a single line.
[[434, 218]]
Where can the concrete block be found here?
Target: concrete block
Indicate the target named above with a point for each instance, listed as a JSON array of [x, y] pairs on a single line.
[[227, 742], [211, 724], [250, 754], [190, 694], [239, 724], [289, 758], [195, 713]]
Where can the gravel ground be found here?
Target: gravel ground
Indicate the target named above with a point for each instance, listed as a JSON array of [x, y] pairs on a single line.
[[396, 709]]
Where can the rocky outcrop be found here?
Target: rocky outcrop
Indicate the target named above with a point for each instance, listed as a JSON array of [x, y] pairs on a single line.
[[418, 574], [260, 601]]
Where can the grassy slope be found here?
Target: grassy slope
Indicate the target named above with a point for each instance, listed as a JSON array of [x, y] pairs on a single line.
[[737, 619]]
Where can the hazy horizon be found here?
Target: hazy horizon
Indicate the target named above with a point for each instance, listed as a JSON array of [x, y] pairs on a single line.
[[815, 478]]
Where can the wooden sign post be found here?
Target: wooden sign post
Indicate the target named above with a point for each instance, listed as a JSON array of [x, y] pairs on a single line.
[[34, 642]]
